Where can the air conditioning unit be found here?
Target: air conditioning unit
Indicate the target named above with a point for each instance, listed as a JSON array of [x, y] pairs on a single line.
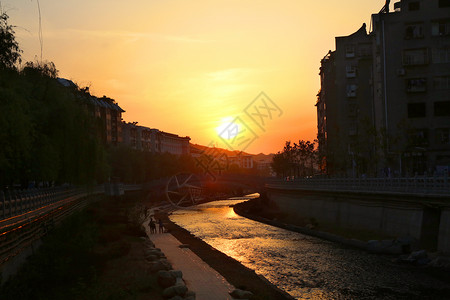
[[401, 72]]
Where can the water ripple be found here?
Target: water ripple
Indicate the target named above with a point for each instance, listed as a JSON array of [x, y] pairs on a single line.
[[307, 267]]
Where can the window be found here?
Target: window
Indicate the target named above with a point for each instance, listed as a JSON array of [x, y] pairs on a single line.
[[414, 6], [441, 55], [441, 83], [440, 28], [350, 51], [413, 57], [443, 136], [442, 109], [416, 110], [415, 85], [350, 71], [351, 90], [414, 31], [444, 3]]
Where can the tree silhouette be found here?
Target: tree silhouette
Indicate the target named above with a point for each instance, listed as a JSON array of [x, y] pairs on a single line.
[[9, 48], [298, 159]]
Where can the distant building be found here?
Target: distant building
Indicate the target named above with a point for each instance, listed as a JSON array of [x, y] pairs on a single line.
[[153, 140], [104, 109], [244, 161], [196, 151], [170, 143], [344, 106], [264, 164], [110, 114], [384, 104], [136, 137]]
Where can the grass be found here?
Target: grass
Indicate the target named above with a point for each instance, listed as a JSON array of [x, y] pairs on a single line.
[[93, 254]]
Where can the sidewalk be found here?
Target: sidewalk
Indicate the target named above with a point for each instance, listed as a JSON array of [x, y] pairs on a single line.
[[198, 276]]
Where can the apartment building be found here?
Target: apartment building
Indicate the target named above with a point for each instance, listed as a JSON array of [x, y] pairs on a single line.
[[171, 143], [384, 104], [153, 140], [106, 110]]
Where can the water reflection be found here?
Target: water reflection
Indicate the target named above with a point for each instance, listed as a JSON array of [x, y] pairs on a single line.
[[304, 266]]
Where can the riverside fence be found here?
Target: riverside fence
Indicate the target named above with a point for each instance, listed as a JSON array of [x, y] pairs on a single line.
[[17, 202], [412, 185]]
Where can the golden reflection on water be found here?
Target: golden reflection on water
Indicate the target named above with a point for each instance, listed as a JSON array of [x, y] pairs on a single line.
[[230, 214], [257, 246]]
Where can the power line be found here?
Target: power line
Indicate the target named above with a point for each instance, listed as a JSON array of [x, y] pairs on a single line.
[[41, 39]]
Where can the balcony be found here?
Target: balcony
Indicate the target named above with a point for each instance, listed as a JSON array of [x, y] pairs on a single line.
[[416, 85], [415, 57]]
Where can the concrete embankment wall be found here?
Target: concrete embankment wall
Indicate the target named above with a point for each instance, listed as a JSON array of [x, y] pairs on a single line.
[[393, 215], [444, 231], [11, 267]]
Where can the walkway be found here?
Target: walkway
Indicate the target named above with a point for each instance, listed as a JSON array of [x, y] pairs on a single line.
[[198, 275]]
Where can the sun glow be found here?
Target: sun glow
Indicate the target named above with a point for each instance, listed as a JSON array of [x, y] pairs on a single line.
[[180, 66], [227, 128]]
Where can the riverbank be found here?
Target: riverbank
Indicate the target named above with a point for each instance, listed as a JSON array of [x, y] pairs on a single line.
[[265, 212], [233, 271], [96, 253], [262, 210]]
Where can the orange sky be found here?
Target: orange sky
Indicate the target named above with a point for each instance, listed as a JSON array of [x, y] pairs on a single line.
[[186, 66]]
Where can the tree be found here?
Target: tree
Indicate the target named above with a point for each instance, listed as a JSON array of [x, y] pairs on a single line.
[[295, 160], [9, 48], [44, 68]]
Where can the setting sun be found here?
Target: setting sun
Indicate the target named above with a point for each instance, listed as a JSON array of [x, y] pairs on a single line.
[[227, 129]]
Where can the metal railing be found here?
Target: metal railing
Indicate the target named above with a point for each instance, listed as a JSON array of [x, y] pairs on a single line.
[[409, 185], [18, 202]]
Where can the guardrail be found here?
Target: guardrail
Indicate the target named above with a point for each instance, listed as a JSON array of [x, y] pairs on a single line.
[[410, 185], [17, 202]]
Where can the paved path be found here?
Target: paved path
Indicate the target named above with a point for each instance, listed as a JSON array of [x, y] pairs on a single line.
[[198, 275]]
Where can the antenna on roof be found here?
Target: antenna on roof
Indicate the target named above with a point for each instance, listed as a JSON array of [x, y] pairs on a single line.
[[385, 8]]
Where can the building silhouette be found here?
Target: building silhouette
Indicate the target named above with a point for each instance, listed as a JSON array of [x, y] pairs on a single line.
[[384, 104], [105, 111], [154, 140]]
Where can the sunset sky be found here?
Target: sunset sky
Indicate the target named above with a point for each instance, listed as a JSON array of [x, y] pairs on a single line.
[[186, 67]]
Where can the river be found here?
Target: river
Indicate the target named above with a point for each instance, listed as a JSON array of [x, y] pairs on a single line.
[[307, 267]]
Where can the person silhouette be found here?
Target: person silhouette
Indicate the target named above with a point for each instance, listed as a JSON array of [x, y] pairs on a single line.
[[152, 226], [161, 226]]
